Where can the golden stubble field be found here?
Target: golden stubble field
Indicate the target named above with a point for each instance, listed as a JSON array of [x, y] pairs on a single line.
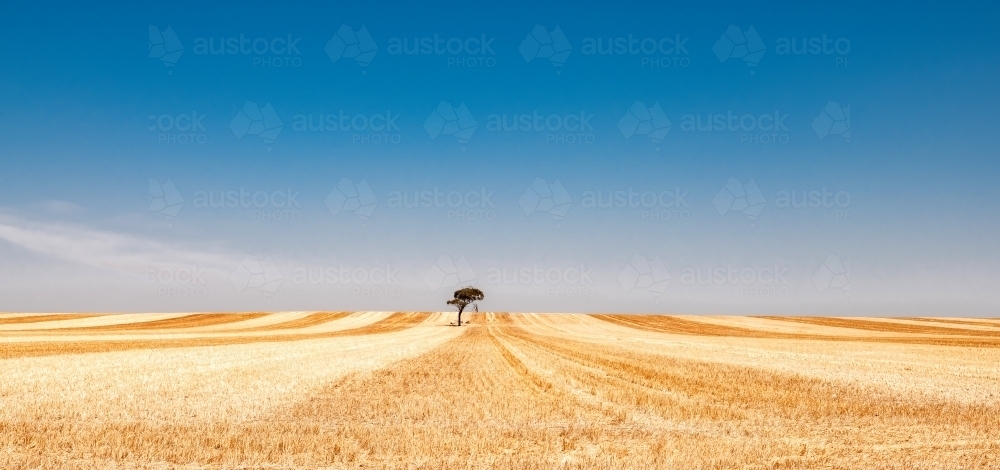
[[519, 391]]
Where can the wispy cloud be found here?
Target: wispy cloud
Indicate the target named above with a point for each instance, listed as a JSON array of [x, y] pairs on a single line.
[[119, 252]]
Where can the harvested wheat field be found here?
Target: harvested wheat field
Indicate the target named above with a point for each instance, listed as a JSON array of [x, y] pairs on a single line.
[[406, 390]]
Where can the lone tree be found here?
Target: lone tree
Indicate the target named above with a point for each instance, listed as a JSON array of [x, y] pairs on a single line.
[[463, 298]]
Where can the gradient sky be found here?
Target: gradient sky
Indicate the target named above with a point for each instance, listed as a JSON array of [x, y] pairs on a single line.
[[85, 116]]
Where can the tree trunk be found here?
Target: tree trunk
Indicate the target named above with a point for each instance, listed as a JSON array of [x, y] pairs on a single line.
[[460, 316]]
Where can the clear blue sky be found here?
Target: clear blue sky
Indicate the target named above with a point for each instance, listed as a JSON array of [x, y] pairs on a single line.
[[869, 132]]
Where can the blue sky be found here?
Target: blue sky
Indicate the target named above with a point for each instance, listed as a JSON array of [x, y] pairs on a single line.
[[895, 215]]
